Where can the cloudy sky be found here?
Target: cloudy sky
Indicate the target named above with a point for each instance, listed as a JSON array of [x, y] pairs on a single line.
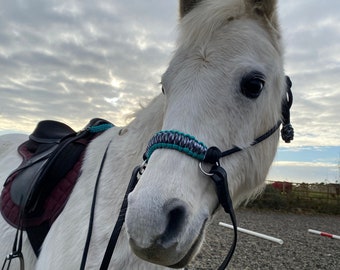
[[75, 60]]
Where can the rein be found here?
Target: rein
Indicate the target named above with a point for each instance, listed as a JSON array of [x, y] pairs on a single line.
[[94, 199]]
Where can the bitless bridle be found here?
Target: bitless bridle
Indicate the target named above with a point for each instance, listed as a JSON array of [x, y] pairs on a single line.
[[189, 145]]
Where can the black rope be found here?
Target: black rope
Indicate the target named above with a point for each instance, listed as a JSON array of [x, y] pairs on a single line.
[[287, 131], [214, 154], [120, 221], [220, 178], [89, 232], [233, 245], [287, 102]]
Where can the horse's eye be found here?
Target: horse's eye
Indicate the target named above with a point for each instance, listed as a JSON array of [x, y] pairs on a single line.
[[163, 91], [252, 84]]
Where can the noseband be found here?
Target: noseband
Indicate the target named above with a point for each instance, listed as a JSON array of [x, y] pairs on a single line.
[[187, 144]]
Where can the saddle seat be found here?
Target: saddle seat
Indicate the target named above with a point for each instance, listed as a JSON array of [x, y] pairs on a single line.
[[49, 131]]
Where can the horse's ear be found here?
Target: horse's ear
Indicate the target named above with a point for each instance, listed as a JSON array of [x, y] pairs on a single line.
[[185, 6], [265, 9]]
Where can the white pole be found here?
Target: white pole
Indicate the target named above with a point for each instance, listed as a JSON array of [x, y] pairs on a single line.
[[333, 236], [260, 235]]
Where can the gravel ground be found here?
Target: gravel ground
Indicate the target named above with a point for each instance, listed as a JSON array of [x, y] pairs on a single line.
[[300, 250]]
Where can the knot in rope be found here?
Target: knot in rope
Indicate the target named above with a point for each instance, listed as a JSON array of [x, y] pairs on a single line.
[[213, 155], [287, 131]]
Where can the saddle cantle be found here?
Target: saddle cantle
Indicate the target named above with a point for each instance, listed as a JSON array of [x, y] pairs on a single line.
[[35, 193]]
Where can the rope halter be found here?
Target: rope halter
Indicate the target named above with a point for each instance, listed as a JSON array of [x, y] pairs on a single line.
[[189, 145]]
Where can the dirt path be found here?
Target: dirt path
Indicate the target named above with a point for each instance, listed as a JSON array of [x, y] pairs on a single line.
[[300, 250]]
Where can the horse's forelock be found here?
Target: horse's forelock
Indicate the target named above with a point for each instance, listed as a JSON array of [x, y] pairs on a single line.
[[198, 25]]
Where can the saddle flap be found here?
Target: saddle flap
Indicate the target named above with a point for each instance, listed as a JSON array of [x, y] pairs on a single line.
[[21, 187]]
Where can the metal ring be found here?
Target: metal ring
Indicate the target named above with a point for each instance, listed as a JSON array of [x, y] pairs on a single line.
[[142, 167], [203, 171]]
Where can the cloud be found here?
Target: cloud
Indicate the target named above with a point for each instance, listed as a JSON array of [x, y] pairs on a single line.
[[302, 164], [64, 60], [311, 33], [60, 59], [303, 172], [306, 164]]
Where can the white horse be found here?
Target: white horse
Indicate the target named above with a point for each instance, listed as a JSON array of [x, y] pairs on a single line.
[[224, 85]]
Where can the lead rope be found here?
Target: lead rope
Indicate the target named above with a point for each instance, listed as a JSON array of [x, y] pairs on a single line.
[[121, 218], [94, 129], [220, 178], [94, 199]]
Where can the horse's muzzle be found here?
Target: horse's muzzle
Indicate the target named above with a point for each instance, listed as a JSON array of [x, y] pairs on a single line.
[[163, 236]]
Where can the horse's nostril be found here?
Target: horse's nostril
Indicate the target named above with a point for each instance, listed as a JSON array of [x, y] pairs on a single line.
[[176, 220], [177, 211]]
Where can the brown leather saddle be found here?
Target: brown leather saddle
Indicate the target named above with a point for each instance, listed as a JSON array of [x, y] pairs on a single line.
[[35, 193]]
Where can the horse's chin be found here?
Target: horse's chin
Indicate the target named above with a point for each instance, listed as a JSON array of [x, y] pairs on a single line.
[[190, 254], [170, 257]]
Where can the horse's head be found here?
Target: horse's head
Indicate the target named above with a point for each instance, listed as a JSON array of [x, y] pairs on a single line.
[[225, 86]]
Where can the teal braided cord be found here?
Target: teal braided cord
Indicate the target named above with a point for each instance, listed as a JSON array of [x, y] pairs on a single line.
[[165, 139], [175, 147], [99, 128]]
